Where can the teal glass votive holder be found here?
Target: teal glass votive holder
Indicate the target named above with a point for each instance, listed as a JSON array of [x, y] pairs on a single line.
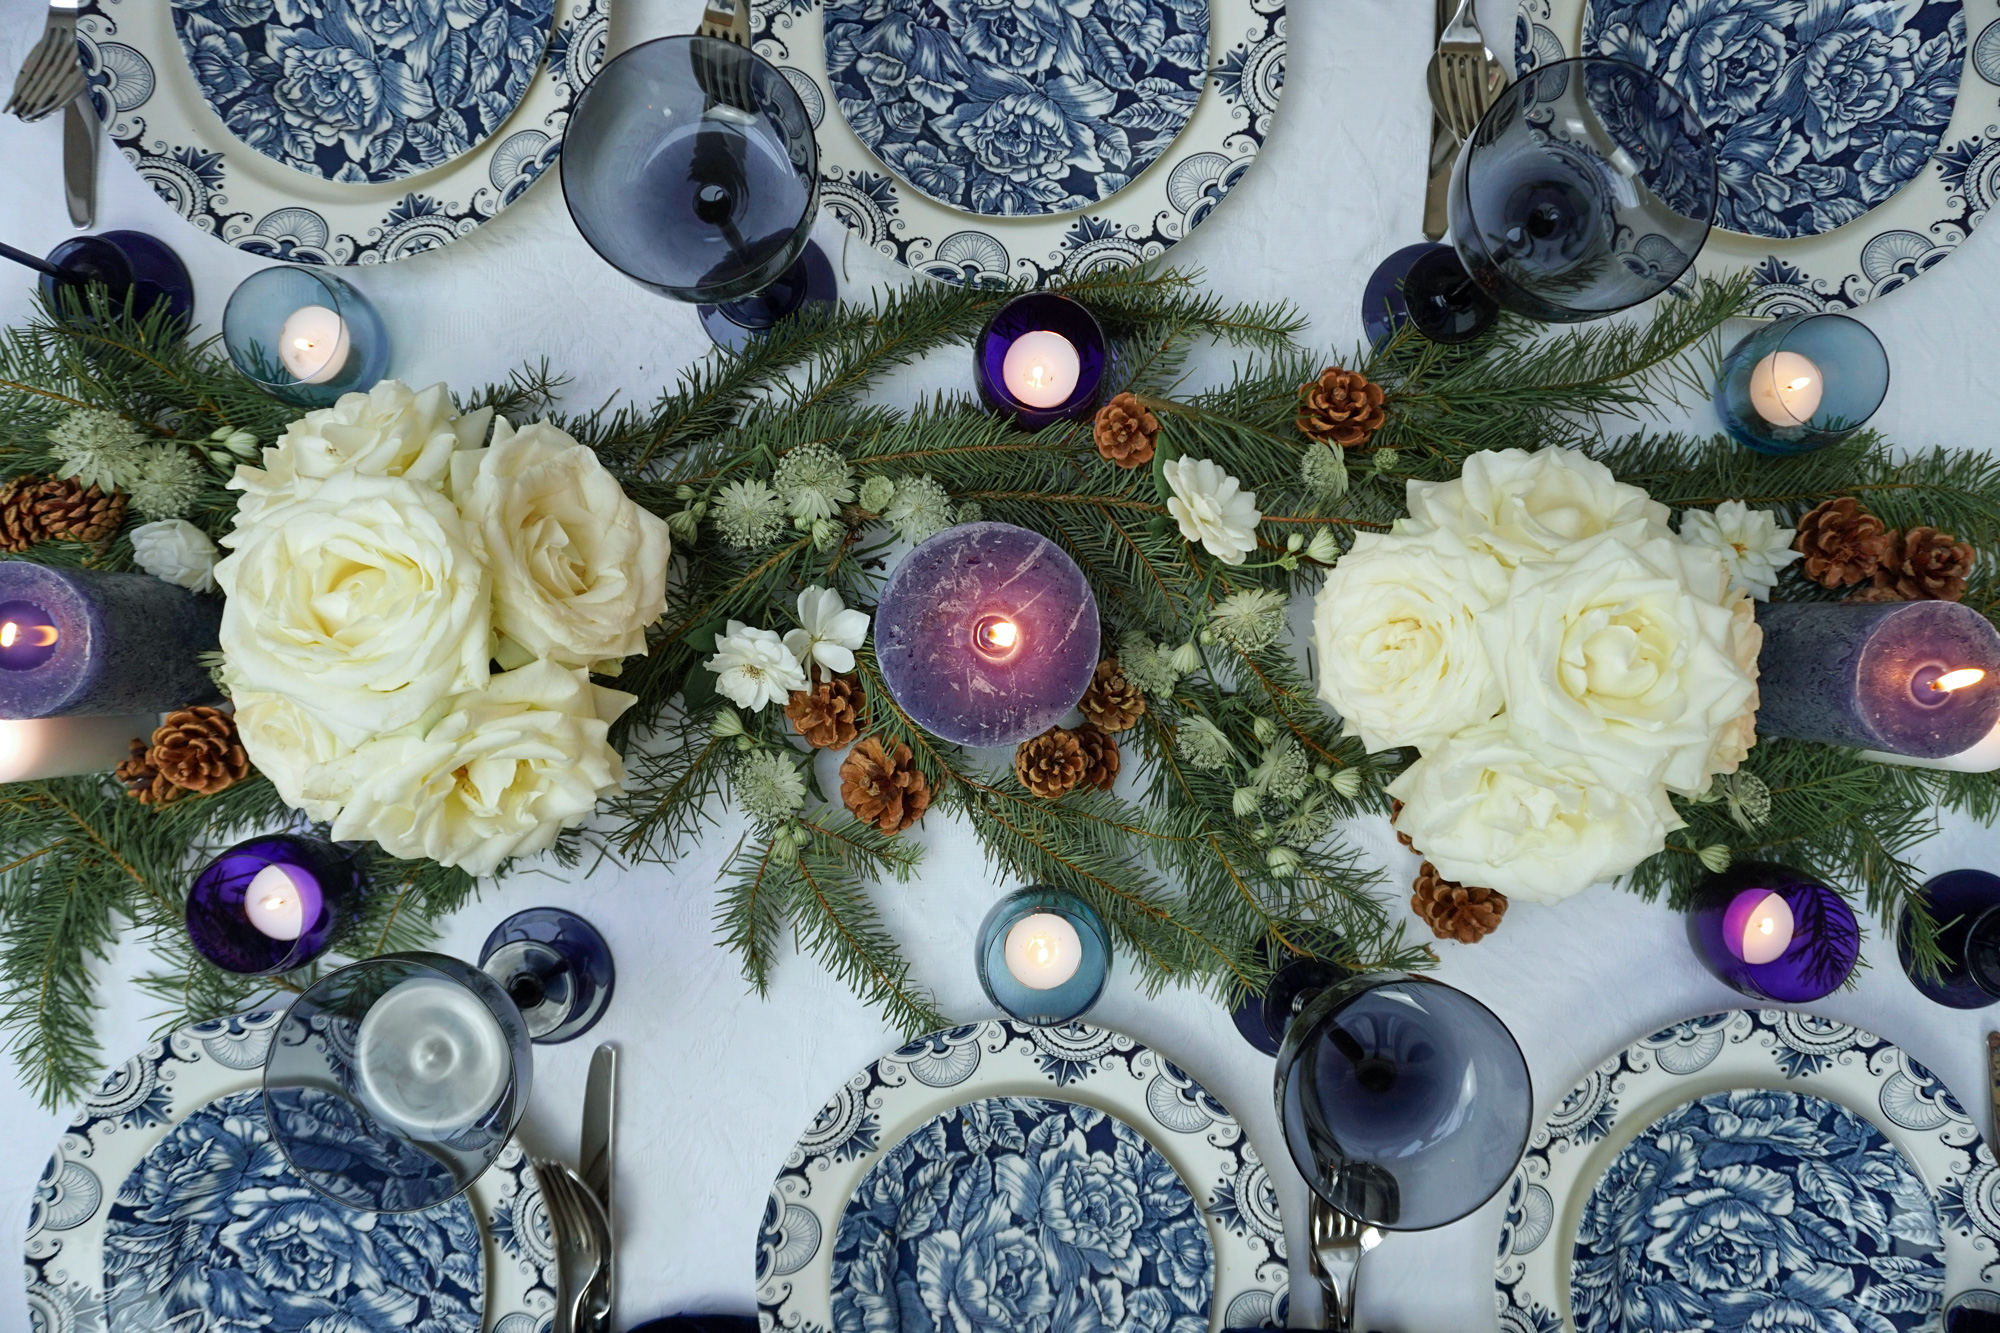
[[1043, 955], [305, 335], [1801, 383]]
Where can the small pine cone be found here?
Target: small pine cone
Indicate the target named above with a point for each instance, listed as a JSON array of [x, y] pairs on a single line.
[[1842, 542], [1453, 911], [137, 774], [1051, 763], [1126, 432], [20, 526], [882, 788], [1925, 563], [1871, 593], [1100, 756], [1340, 407], [1111, 701], [829, 715], [72, 513], [197, 750], [1396, 808]]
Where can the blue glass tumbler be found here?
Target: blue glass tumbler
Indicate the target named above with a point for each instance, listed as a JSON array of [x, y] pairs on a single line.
[[273, 904], [306, 335], [1043, 955], [130, 264], [1801, 383]]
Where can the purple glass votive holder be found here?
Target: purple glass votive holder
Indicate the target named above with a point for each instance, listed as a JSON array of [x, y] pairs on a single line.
[[1826, 938], [940, 659], [325, 878], [87, 642], [1861, 675], [1040, 312]]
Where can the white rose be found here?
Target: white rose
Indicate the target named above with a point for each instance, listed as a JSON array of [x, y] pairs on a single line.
[[1400, 658], [579, 571], [363, 603], [1489, 809], [1736, 737], [501, 773], [290, 747], [389, 431], [177, 551], [1524, 506]]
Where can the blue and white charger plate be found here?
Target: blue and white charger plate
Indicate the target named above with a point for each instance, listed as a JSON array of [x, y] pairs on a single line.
[[903, 1092], [1902, 237], [1737, 1050], [137, 1108], [158, 114], [1156, 210]]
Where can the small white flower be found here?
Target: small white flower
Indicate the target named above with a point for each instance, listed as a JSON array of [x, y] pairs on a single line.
[[1754, 545], [875, 494], [814, 481], [166, 483], [754, 668], [829, 632], [920, 510], [98, 448], [1213, 508], [768, 787], [177, 551], [750, 514]]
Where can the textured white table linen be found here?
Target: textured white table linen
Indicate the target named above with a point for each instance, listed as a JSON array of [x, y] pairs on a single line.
[[716, 1083]]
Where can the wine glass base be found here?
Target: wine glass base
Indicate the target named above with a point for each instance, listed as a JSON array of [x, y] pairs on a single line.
[[157, 272], [1383, 309], [1262, 1019], [808, 282], [555, 967]]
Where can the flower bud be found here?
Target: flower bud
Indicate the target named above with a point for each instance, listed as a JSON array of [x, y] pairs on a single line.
[[1715, 856], [1347, 782], [1325, 547], [1245, 801], [1266, 729], [826, 532], [684, 526], [1283, 861], [876, 492], [683, 493], [1186, 659], [1385, 459], [1295, 542], [727, 723], [241, 443]]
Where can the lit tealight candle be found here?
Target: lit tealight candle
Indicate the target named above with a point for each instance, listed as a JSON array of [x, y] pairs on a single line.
[[1043, 951], [1041, 369], [314, 344], [1785, 389], [1758, 926], [996, 636], [277, 899]]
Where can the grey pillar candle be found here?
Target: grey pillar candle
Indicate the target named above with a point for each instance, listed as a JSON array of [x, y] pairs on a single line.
[[1869, 676], [78, 641]]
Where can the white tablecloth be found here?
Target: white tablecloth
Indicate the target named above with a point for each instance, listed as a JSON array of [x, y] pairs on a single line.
[[717, 1083]]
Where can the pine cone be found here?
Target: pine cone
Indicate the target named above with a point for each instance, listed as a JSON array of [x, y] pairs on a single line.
[[20, 526], [1340, 407], [1924, 562], [1051, 763], [883, 789], [1453, 911], [1126, 432], [1871, 593], [71, 513], [1111, 701], [1100, 756], [829, 715], [137, 774], [196, 750], [1396, 808], [1843, 543]]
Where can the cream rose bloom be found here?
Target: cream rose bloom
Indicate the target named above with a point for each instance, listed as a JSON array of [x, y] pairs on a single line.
[[290, 747], [390, 431], [1491, 809], [1522, 506], [1400, 657], [363, 603], [1622, 654], [579, 571], [500, 773]]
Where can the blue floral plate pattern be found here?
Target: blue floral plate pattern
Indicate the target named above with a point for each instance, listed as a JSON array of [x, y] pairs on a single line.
[[1002, 108], [1749, 1209], [1602, 1234], [177, 1132], [1128, 1261], [1022, 1215]]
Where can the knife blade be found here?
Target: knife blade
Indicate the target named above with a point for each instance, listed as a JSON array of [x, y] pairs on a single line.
[[595, 1153], [1993, 1080], [80, 159]]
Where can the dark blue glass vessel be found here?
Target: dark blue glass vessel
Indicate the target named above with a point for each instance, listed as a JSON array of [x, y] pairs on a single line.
[[556, 969], [323, 880], [1966, 906], [1801, 383], [128, 262], [1040, 312]]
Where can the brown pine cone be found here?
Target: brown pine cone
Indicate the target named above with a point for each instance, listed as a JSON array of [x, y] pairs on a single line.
[[1125, 431], [1924, 562], [1051, 763], [72, 513], [1842, 542], [830, 714], [137, 774], [197, 750], [1396, 808], [1111, 701], [1340, 407], [20, 526], [1100, 756], [1453, 911], [1871, 593], [883, 788]]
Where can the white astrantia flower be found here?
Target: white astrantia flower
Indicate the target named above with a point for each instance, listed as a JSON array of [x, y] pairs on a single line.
[[754, 668], [1755, 546], [768, 787], [1520, 506], [814, 481], [920, 509], [98, 448], [177, 551], [828, 633], [1213, 509], [1250, 619], [749, 514], [166, 483]]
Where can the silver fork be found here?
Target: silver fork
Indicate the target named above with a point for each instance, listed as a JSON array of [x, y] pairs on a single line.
[[1338, 1242], [725, 76], [1465, 76], [51, 77], [580, 1255]]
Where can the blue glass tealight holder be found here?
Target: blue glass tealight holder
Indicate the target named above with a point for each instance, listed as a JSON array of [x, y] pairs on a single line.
[[273, 904], [305, 335], [1043, 955], [1801, 383], [1041, 360]]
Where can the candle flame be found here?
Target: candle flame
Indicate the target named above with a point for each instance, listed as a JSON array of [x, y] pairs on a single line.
[[1766, 926], [1044, 951], [303, 344], [1799, 383], [1958, 680], [996, 634], [275, 902], [27, 636]]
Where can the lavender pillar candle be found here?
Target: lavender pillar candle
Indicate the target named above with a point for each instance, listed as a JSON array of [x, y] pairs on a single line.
[[1774, 933], [986, 634], [272, 904], [76, 641], [1882, 676]]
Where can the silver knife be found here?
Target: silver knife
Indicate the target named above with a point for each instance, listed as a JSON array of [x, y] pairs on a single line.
[[595, 1156], [80, 135]]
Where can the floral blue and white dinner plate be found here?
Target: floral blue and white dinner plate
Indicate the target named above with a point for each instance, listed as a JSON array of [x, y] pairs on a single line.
[[1749, 1170], [998, 1177], [992, 144], [1858, 140], [359, 160], [165, 1198]]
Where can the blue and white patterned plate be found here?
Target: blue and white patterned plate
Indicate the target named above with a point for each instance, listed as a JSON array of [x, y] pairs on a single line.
[[1776, 1055], [805, 1250], [1803, 148], [1244, 65], [158, 113], [90, 1213]]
